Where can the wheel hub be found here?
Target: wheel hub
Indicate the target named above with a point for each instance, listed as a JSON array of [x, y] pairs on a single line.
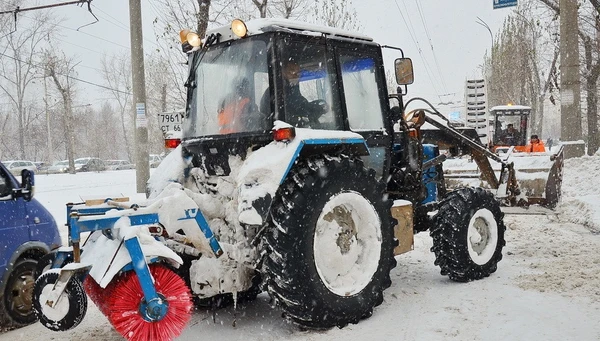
[[347, 243], [21, 295], [347, 235], [482, 236]]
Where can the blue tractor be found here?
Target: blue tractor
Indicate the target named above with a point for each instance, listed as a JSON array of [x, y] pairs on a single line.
[[297, 174], [321, 170]]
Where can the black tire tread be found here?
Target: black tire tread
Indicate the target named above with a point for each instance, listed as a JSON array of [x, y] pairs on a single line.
[[449, 227], [281, 274]]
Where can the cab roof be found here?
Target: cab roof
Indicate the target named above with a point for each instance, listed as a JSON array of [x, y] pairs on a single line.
[[258, 26]]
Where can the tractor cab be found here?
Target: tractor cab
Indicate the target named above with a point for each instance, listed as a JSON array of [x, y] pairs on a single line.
[[510, 127], [246, 76]]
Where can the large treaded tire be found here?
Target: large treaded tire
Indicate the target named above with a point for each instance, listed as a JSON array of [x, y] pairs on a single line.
[[289, 264], [455, 244]]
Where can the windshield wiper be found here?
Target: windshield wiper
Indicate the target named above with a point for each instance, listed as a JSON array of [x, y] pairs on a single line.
[[210, 40]]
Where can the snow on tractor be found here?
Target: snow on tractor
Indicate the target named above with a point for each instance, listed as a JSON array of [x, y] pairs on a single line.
[[294, 176]]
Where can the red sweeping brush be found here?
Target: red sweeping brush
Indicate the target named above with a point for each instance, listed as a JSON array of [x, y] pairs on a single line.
[[123, 306], [98, 295]]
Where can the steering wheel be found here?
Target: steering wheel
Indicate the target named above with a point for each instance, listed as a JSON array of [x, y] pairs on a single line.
[[318, 108], [321, 104]]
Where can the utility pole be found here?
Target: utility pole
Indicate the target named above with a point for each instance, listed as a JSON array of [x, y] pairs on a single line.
[[570, 93], [142, 172]]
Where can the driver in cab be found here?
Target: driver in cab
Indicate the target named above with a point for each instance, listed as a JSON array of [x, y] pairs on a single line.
[[300, 112]]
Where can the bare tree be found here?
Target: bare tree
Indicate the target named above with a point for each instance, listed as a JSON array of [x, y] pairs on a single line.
[[262, 7], [336, 13], [61, 70], [589, 33], [296, 9], [116, 71], [18, 69], [522, 64]]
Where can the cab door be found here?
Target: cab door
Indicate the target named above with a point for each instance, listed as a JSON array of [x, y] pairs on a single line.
[[13, 222], [364, 97]]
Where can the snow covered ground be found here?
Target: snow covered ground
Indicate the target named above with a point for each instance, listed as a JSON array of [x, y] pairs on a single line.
[[547, 287]]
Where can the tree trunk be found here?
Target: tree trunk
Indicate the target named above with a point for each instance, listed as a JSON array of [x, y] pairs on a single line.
[[65, 92], [262, 7], [203, 11], [592, 113]]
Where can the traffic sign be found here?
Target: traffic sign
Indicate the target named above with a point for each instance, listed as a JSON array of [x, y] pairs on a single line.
[[504, 3]]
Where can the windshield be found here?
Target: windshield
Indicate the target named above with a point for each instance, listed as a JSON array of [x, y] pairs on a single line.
[[81, 161], [510, 128], [231, 80]]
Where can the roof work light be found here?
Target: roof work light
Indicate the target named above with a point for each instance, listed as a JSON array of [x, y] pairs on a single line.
[[238, 27], [189, 40]]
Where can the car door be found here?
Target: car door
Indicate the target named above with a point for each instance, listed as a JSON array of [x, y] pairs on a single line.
[[13, 224]]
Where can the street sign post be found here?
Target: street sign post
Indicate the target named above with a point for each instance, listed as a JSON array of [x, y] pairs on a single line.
[[504, 3]]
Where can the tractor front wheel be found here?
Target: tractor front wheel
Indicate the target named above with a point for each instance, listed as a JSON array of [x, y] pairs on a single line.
[[329, 251], [468, 234]]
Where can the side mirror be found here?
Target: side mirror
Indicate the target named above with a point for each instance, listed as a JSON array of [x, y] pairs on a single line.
[[404, 71], [27, 184]]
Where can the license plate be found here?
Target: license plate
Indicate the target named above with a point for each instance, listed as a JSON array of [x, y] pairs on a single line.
[[170, 121]]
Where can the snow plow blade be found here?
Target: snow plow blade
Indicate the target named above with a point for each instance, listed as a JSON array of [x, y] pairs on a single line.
[[539, 176]]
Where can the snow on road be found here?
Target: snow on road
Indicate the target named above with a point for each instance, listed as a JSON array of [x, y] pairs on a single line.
[[547, 286]]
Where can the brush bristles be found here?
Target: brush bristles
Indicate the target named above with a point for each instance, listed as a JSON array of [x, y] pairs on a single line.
[[120, 302]]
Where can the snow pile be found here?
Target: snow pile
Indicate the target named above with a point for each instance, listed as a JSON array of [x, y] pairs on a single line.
[[560, 258], [581, 192]]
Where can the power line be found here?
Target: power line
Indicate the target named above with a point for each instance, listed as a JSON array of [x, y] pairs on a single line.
[[437, 64], [413, 37], [73, 78], [18, 9], [121, 25], [88, 34]]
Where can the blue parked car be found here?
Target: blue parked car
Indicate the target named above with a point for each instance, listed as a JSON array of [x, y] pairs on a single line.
[[28, 232]]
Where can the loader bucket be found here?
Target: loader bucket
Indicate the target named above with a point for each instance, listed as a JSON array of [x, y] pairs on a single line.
[[539, 176]]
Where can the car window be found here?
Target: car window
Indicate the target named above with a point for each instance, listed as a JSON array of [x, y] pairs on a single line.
[[5, 186]]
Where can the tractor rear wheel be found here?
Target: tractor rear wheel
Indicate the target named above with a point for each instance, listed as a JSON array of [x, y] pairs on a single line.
[[468, 234], [328, 252]]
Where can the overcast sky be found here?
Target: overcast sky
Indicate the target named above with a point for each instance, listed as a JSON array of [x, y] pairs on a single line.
[[442, 38]]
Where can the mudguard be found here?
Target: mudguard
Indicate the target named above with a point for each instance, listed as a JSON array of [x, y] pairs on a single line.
[[266, 168]]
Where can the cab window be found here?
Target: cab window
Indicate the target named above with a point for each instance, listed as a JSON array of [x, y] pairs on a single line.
[[309, 83], [361, 93]]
